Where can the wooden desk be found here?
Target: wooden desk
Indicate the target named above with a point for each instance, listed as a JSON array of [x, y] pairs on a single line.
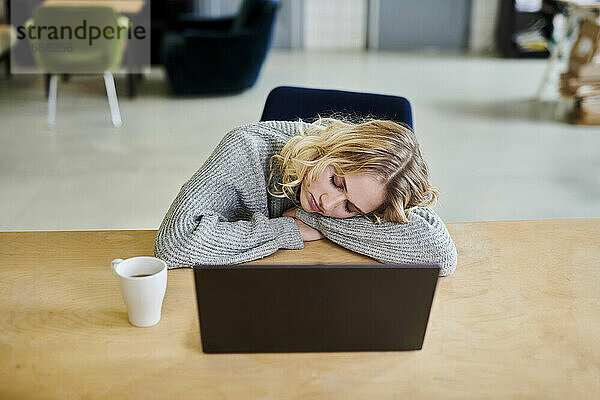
[[520, 318]]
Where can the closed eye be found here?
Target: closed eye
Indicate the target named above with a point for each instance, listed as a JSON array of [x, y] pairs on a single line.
[[341, 188], [332, 179], [348, 210]]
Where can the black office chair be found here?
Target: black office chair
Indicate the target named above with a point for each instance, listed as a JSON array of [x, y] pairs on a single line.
[[288, 103]]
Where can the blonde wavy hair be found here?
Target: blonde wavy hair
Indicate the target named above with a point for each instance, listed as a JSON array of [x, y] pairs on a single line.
[[385, 149]]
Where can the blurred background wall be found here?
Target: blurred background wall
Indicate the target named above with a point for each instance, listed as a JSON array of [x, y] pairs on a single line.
[[377, 24]]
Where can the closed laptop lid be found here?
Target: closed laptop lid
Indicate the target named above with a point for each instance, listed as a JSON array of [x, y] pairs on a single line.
[[302, 308]]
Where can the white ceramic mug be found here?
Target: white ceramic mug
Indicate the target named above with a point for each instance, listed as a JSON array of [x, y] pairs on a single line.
[[143, 286]]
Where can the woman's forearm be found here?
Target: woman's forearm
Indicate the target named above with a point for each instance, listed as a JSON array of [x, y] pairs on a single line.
[[424, 239], [208, 239]]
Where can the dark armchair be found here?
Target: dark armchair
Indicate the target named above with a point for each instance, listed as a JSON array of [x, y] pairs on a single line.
[[219, 55]]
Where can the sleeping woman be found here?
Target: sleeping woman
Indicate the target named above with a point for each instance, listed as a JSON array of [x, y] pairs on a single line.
[[277, 184]]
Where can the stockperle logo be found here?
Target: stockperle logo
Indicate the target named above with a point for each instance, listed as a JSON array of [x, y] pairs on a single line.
[[84, 31]]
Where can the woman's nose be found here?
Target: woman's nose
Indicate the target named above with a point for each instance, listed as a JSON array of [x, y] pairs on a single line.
[[330, 201]]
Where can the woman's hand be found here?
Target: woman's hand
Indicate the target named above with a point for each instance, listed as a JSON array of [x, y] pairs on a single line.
[[308, 233]]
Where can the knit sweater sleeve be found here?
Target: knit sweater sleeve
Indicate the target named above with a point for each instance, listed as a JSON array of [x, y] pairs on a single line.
[[424, 239], [220, 215]]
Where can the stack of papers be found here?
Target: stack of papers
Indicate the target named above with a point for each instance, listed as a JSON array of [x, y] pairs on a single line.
[[582, 81]]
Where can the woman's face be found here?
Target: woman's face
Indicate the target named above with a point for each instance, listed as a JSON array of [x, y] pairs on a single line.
[[342, 196]]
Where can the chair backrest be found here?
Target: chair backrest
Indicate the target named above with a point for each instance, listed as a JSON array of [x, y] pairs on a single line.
[[251, 13], [76, 55], [288, 103]]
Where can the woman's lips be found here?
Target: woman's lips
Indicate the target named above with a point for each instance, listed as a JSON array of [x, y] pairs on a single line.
[[314, 204]]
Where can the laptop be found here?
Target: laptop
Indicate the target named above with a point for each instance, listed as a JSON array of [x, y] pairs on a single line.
[[314, 308]]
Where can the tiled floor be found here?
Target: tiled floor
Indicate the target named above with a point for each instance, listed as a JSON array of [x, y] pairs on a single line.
[[494, 153]]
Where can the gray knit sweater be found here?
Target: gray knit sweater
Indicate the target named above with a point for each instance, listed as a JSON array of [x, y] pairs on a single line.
[[224, 215]]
